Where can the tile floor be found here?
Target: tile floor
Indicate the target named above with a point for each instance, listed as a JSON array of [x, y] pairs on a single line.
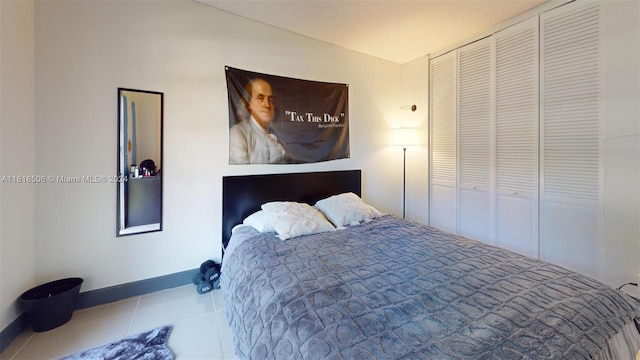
[[200, 328]]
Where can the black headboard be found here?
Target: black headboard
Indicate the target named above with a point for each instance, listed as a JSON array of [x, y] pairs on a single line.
[[243, 195]]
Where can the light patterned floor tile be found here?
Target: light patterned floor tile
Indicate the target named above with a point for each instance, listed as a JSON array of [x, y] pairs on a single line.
[[200, 328], [170, 307], [196, 338]]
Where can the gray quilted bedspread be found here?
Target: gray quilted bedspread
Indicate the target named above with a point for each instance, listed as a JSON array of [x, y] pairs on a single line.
[[392, 289]]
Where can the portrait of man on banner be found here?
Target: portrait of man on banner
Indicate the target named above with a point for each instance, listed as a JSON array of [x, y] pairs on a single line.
[[279, 120]]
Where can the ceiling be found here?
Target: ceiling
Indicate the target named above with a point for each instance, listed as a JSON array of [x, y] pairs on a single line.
[[395, 30]]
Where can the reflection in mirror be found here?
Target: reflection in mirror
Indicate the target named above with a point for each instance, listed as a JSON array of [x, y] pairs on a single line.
[[139, 161]]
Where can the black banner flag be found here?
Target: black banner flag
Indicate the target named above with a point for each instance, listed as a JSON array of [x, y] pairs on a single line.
[[274, 119]]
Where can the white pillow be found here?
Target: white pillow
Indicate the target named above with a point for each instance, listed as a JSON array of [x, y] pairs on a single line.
[[346, 209], [376, 213], [259, 221], [291, 219]]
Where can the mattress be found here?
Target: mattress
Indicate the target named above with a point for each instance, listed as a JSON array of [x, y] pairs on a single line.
[[395, 289]]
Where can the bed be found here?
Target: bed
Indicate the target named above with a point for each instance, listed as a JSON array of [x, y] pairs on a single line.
[[388, 288]]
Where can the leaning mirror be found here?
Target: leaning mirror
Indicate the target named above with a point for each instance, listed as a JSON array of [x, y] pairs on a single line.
[[139, 161]]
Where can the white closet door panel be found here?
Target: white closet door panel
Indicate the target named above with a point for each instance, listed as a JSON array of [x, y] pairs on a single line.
[[517, 224], [443, 94], [443, 211], [570, 236], [570, 136], [474, 114], [475, 140], [474, 219], [443, 118], [517, 109], [570, 102], [516, 132]]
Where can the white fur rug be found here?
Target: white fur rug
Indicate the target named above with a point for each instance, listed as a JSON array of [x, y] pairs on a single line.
[[150, 345]]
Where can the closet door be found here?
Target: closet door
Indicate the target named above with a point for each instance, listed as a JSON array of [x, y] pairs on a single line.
[[442, 212], [516, 124], [570, 136], [475, 140]]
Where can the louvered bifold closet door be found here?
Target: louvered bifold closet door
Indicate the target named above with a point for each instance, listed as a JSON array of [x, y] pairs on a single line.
[[475, 140], [442, 207], [570, 136], [516, 124]]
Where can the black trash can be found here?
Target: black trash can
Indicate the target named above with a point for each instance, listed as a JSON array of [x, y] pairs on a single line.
[[51, 305]]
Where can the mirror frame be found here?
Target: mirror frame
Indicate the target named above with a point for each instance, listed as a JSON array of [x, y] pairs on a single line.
[[150, 184]]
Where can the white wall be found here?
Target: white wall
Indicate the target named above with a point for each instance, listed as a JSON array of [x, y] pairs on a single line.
[[415, 91], [17, 204], [86, 50], [620, 241]]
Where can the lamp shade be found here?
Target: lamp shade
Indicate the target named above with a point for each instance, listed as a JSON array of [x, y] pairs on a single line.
[[406, 137]]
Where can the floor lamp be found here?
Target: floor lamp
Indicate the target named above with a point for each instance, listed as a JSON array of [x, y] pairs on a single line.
[[405, 137]]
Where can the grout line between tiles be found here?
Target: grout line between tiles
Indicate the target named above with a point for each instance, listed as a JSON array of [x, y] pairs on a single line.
[[218, 318], [221, 316], [213, 303], [23, 346], [133, 317], [193, 318], [219, 334]]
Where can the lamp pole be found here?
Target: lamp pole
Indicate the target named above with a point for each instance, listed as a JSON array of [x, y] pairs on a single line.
[[404, 180]]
